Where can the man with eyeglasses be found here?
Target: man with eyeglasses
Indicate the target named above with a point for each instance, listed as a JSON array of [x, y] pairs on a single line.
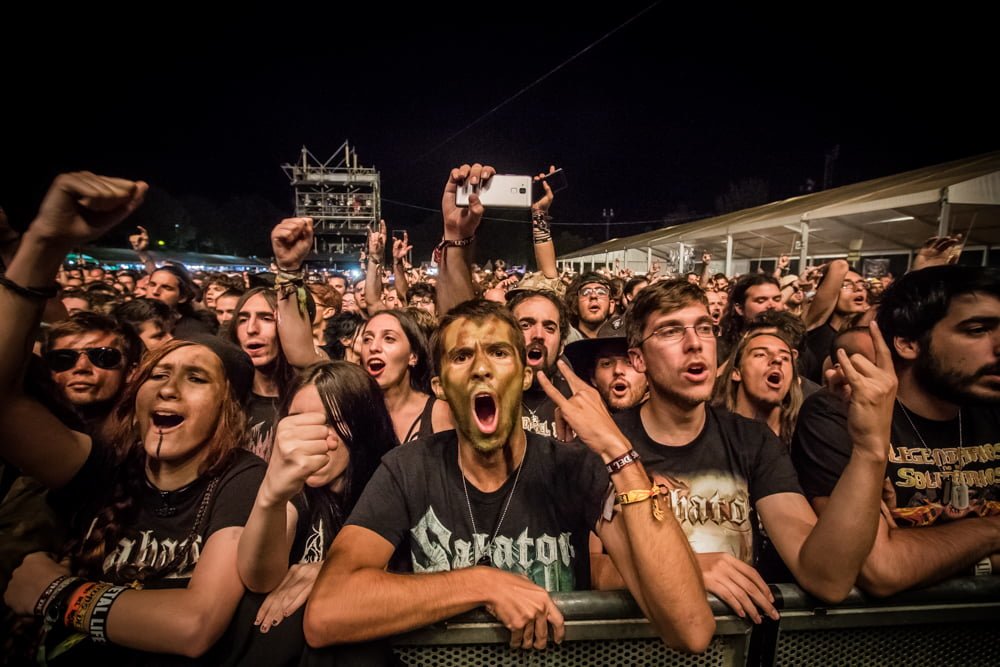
[[590, 304], [90, 356], [719, 470]]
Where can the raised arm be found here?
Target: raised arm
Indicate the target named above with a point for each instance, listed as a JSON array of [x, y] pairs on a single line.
[[400, 249], [373, 274], [300, 450], [140, 244], [824, 560], [645, 542], [454, 253], [541, 235], [706, 270], [355, 599], [827, 293], [291, 242], [78, 207]]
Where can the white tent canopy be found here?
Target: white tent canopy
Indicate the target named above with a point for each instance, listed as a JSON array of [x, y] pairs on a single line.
[[892, 215]]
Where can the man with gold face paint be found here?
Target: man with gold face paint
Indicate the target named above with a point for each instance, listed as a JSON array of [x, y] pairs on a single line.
[[493, 516]]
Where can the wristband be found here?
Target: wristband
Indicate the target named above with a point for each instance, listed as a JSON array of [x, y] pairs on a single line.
[[57, 585], [97, 628], [30, 293], [448, 243], [625, 459], [983, 568], [642, 495]]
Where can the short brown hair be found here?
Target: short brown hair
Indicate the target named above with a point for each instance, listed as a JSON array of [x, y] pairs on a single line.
[[477, 310], [668, 296]]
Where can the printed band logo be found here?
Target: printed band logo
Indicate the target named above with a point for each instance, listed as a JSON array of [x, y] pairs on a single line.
[[545, 560]]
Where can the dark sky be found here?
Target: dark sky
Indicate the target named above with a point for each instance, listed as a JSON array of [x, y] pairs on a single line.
[[662, 114]]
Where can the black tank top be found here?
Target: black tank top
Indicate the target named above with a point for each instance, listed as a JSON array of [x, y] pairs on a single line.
[[422, 426]]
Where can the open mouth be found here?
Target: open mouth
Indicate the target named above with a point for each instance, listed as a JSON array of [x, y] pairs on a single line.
[[375, 366], [254, 346], [484, 409], [696, 372], [773, 380], [166, 420], [619, 387], [536, 355]]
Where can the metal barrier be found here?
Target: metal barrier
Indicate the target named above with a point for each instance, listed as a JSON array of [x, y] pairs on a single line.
[[953, 623]]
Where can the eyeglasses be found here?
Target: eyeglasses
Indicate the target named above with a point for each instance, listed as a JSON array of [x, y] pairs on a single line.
[[588, 292], [854, 285], [102, 357], [672, 333]]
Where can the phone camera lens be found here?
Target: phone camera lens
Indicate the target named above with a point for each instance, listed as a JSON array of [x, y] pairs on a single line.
[[523, 190]]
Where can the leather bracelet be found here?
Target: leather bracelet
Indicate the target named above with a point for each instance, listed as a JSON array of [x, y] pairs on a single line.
[[625, 459], [30, 293]]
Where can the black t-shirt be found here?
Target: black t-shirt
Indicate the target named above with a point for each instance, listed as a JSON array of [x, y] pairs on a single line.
[[165, 520], [538, 413], [714, 480], [817, 342], [262, 418], [416, 501], [320, 519], [934, 479]]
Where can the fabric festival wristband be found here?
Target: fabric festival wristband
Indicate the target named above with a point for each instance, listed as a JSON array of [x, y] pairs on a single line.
[[98, 626], [48, 593], [642, 495], [448, 243], [983, 568], [617, 464]]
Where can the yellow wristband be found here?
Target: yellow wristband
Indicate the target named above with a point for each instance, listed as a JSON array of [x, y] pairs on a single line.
[[641, 495]]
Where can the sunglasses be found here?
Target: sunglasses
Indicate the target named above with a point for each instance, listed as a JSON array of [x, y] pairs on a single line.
[[102, 357]]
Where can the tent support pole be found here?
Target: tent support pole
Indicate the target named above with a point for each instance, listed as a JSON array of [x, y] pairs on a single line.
[[729, 255], [944, 224], [804, 253]]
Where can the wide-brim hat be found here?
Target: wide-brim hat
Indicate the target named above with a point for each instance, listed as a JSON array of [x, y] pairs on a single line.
[[582, 354]]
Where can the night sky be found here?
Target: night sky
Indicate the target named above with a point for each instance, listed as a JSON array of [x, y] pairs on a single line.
[[657, 119]]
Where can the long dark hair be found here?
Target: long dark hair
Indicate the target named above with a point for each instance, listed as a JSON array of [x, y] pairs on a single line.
[[284, 373], [124, 451], [356, 410]]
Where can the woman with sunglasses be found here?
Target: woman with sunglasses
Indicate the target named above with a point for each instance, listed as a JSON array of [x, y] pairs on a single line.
[[157, 504], [331, 437]]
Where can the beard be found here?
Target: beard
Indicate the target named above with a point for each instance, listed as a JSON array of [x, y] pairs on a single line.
[[954, 386]]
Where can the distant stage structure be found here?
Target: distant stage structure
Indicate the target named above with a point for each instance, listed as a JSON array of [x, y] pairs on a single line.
[[343, 200]]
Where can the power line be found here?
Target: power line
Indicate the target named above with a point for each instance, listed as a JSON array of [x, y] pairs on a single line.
[[528, 222], [537, 81]]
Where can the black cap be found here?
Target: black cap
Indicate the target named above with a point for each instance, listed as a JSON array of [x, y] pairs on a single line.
[[582, 354], [235, 362]]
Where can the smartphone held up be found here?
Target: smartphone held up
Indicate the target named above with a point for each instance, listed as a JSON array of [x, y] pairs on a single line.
[[499, 191]]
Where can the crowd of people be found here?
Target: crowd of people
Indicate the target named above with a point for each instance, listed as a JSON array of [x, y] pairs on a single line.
[[272, 468]]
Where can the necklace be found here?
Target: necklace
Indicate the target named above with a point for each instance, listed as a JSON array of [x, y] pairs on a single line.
[[959, 495], [487, 558]]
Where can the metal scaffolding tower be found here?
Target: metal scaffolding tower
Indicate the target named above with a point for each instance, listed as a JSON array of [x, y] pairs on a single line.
[[343, 200]]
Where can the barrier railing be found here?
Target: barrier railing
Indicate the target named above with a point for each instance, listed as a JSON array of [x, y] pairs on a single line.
[[953, 623]]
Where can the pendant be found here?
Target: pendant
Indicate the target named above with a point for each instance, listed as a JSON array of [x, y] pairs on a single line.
[[960, 495], [485, 560]]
